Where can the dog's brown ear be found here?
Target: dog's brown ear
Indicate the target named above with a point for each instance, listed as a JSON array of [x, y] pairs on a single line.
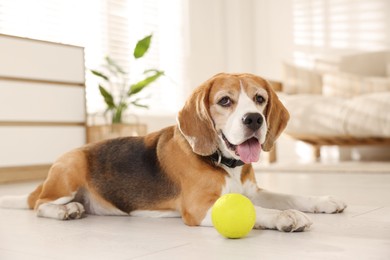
[[195, 122], [277, 117]]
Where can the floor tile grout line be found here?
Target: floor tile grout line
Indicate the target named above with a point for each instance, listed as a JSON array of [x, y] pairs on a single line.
[[159, 251], [372, 210]]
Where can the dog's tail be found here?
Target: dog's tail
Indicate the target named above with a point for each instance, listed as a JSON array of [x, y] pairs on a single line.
[[14, 202]]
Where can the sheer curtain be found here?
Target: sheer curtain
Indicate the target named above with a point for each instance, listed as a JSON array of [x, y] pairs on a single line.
[[109, 27]]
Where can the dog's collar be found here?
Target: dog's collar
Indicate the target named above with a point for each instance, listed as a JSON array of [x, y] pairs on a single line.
[[229, 162]]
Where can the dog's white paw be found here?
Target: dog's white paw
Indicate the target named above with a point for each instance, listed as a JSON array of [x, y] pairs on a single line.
[[292, 220], [73, 210], [328, 204]]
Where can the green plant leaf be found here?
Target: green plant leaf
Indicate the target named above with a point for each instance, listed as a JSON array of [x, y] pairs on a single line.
[[142, 46], [135, 103], [107, 97], [139, 86], [113, 64], [99, 74], [152, 70]]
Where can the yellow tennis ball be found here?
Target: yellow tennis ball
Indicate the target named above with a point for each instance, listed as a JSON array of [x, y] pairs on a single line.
[[233, 215]]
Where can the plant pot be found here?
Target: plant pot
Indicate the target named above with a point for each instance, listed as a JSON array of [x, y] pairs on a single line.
[[97, 133]]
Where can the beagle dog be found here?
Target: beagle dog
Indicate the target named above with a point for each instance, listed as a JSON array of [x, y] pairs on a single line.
[[180, 171]]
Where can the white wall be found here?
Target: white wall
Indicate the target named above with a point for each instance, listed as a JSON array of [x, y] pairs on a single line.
[[206, 45], [238, 36], [273, 36]]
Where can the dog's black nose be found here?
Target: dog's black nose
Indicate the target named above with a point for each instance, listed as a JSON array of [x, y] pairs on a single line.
[[253, 121]]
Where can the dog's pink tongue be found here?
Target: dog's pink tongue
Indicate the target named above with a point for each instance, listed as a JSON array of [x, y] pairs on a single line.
[[249, 151]]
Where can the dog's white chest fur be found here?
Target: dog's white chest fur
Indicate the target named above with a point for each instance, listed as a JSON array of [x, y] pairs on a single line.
[[233, 183]]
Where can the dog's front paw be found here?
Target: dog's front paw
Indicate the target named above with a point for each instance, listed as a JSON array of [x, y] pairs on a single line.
[[292, 220], [328, 204]]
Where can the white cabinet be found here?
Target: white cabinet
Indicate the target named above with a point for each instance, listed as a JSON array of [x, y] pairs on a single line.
[[42, 105]]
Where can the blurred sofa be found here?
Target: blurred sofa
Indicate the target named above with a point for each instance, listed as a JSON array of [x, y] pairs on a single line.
[[342, 101]]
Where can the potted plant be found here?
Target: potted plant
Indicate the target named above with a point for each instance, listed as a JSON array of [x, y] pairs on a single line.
[[119, 94]]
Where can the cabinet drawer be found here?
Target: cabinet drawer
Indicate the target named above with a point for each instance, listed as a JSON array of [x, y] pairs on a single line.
[[31, 59], [37, 145], [25, 101]]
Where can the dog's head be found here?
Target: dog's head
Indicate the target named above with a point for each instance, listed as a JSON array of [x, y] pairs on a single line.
[[239, 114]]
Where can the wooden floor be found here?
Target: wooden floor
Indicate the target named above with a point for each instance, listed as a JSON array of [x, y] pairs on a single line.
[[361, 232]]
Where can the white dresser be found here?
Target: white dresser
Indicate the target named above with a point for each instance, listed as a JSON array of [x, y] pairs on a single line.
[[42, 105]]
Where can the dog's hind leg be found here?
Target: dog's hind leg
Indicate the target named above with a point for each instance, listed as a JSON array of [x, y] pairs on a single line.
[[54, 198], [72, 210], [61, 208]]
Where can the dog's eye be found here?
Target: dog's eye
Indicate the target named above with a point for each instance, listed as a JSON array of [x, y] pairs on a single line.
[[259, 99], [225, 102]]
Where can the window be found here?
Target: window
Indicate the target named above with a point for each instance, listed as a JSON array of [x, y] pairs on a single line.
[[339, 26], [109, 27]]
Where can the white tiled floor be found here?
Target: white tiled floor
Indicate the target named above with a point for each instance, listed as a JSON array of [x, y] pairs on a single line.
[[362, 232]]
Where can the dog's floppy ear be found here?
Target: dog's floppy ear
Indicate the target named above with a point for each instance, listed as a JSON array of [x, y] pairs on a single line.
[[277, 117], [195, 122]]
